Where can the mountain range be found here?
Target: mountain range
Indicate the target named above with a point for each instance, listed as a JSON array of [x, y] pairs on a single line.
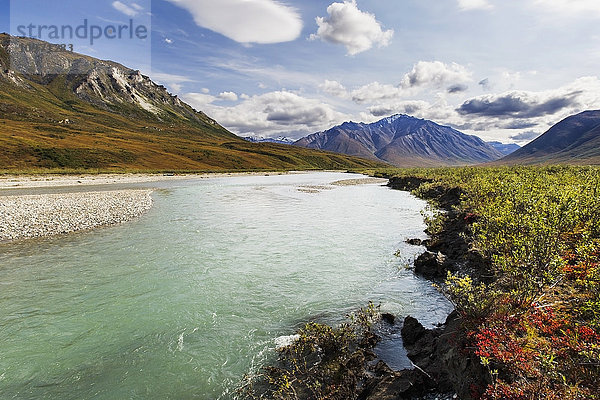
[[263, 139], [63, 110], [504, 148], [574, 140], [404, 141]]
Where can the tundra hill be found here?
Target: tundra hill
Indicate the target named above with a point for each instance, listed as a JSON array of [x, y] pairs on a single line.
[[404, 141], [63, 110], [574, 140]]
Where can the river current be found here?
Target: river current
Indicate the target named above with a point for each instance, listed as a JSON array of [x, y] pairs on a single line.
[[184, 301]]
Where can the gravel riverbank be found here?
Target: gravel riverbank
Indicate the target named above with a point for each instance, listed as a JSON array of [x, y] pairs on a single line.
[[30, 216]]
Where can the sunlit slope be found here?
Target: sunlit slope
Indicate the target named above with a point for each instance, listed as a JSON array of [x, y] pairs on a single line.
[[574, 140], [102, 115]]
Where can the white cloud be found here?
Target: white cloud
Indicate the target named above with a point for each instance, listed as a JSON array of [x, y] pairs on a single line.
[[205, 90], [467, 5], [168, 41], [436, 74], [376, 91], [171, 81], [439, 111], [333, 88], [228, 96], [256, 21], [130, 11], [272, 113], [351, 27], [569, 7], [425, 74], [200, 101]]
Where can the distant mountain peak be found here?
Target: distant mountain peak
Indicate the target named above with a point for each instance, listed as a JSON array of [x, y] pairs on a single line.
[[396, 117], [403, 140], [504, 148], [264, 139], [350, 124]]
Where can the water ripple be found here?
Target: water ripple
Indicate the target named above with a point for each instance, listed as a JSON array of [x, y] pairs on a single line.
[[183, 302]]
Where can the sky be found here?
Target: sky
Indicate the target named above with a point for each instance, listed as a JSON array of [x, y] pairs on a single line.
[[503, 70]]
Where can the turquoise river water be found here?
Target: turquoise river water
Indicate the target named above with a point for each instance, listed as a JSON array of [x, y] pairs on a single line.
[[184, 301]]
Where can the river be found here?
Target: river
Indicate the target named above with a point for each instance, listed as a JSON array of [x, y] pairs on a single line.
[[184, 301]]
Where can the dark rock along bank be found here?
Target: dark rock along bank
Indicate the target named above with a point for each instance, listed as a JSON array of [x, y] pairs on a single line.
[[443, 367], [442, 364]]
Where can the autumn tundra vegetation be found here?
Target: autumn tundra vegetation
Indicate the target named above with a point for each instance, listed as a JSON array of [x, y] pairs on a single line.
[[527, 296], [532, 313]]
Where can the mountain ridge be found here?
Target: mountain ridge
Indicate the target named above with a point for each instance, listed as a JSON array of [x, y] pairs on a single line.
[[573, 140], [403, 141], [103, 83], [263, 139], [62, 110]]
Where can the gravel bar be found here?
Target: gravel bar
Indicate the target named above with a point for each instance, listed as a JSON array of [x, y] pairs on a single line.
[[360, 181], [31, 216]]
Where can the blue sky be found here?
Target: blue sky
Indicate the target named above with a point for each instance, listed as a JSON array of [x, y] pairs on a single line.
[[501, 69]]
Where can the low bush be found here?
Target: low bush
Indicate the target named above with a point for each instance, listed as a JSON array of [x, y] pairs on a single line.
[[536, 325]]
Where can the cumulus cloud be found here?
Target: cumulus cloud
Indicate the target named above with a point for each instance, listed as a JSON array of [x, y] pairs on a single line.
[[467, 5], [200, 101], [437, 74], [525, 136], [458, 88], [351, 27], [279, 112], [424, 74], [257, 21], [438, 111], [228, 96], [500, 115], [376, 91], [517, 124], [333, 88], [517, 104], [493, 116], [130, 11], [413, 108]]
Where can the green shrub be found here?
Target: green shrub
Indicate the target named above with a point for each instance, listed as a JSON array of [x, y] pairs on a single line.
[[536, 326]]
